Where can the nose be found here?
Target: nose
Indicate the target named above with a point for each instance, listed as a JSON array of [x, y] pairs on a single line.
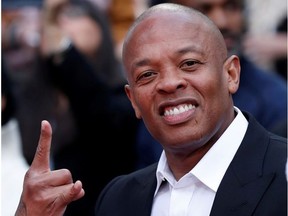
[[171, 81]]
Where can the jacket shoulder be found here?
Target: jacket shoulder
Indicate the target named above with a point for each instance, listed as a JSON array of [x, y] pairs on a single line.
[[129, 194]]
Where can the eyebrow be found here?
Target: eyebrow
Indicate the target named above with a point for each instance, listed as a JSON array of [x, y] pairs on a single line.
[[181, 51], [142, 62]]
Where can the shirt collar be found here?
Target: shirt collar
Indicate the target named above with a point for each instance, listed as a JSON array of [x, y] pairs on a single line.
[[223, 151]]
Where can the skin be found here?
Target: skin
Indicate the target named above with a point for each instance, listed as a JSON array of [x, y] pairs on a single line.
[[167, 69], [173, 57], [63, 20], [228, 15], [84, 32], [46, 192]]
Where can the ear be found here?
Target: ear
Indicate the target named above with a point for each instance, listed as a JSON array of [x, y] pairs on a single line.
[[232, 66], [132, 100]]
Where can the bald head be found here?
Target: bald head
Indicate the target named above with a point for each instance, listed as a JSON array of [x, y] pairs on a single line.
[[170, 8], [175, 56], [169, 12]]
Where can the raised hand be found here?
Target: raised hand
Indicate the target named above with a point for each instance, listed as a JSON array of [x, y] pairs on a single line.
[[47, 192]]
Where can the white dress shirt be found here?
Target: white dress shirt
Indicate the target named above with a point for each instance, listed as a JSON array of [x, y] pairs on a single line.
[[194, 193]]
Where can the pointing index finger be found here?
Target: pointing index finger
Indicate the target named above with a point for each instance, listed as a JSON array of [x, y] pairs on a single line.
[[41, 159]]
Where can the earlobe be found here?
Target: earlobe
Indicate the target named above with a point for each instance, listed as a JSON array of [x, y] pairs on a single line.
[[131, 98], [233, 69]]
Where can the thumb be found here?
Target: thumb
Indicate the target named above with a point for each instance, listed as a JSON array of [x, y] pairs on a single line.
[[41, 161]]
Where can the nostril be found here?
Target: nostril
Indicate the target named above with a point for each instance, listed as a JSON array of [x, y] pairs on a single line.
[[171, 85]]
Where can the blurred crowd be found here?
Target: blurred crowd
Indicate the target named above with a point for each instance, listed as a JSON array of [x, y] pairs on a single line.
[[62, 62]]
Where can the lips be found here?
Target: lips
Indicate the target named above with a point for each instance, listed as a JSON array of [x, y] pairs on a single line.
[[178, 114]]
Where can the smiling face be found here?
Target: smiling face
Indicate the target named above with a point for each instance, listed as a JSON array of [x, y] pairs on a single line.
[[179, 81]]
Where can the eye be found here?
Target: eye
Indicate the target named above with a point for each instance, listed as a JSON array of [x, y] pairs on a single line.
[[145, 76], [189, 65]]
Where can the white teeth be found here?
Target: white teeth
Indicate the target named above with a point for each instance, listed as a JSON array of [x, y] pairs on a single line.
[[176, 111], [182, 109], [179, 109]]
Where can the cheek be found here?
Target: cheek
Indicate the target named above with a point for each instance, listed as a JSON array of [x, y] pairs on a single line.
[[212, 89], [207, 85], [143, 101]]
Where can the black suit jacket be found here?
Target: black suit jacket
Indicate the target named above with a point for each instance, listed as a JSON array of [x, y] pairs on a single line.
[[254, 183]]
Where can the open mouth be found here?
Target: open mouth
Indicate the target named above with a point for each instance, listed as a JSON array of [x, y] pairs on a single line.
[[171, 111]]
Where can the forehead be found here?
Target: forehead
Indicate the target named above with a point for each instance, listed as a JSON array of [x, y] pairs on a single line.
[[165, 27], [162, 36]]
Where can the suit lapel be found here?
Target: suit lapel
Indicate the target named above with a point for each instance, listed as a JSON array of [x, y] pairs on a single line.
[[244, 183], [143, 199]]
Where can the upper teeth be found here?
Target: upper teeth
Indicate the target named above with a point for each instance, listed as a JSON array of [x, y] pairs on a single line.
[[179, 109]]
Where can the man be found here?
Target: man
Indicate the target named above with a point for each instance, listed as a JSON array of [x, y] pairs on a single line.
[[217, 160], [261, 92]]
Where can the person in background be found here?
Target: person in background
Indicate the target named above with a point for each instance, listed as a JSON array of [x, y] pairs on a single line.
[[217, 159], [269, 50], [46, 89], [77, 47], [36, 98], [266, 39], [13, 163], [262, 93]]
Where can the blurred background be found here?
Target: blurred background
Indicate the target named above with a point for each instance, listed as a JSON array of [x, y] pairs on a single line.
[[62, 62]]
